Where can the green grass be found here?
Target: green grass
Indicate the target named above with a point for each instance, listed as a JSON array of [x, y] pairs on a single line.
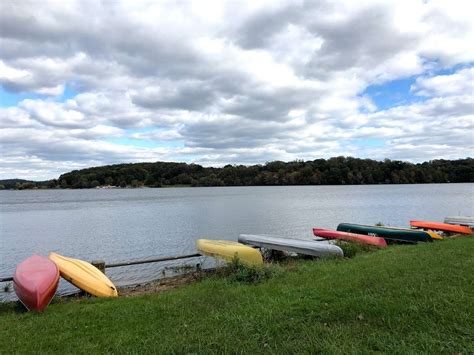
[[404, 299]]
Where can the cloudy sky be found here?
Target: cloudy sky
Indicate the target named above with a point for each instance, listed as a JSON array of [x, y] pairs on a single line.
[[87, 83]]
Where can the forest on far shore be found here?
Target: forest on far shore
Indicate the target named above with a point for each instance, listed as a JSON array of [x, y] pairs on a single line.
[[333, 171]]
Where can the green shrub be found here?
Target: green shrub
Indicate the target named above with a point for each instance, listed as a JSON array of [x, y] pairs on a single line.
[[235, 271], [7, 287]]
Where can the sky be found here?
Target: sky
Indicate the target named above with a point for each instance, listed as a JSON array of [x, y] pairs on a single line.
[[89, 83]]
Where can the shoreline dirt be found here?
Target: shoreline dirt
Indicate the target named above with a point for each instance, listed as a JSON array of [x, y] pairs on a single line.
[[160, 285]]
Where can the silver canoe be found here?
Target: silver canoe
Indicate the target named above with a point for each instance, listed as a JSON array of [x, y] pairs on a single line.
[[306, 247], [461, 220]]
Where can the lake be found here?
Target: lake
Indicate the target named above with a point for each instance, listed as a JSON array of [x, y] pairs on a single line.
[[125, 224]]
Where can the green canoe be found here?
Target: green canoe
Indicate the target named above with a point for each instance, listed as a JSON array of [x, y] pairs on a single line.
[[391, 234]]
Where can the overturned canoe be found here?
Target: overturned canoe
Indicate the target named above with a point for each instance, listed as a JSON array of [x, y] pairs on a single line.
[[229, 250], [444, 227], [35, 282], [84, 276], [391, 234], [306, 247], [460, 220], [353, 237]]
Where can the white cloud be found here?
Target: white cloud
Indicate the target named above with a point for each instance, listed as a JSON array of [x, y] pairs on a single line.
[[459, 83], [54, 114], [234, 82]]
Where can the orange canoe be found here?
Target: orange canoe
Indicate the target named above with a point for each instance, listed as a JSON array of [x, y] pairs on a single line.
[[444, 227], [353, 237]]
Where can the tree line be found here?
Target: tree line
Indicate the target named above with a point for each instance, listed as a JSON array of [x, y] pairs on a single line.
[[333, 171]]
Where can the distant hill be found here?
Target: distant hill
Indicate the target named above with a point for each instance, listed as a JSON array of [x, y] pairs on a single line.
[[333, 171], [21, 184]]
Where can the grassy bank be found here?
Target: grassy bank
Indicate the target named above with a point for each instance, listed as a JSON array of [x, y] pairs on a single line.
[[402, 299]]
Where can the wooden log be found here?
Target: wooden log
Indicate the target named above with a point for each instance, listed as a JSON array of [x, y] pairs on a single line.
[[101, 265], [146, 261]]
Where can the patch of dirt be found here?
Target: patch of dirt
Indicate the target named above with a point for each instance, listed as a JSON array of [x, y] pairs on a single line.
[[160, 285]]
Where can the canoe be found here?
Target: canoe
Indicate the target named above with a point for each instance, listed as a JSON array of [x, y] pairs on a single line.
[[353, 237], [306, 247], [444, 227], [84, 276], [391, 234], [35, 282], [229, 250], [460, 220]]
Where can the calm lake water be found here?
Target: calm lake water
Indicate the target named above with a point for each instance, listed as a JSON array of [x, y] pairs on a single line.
[[126, 224]]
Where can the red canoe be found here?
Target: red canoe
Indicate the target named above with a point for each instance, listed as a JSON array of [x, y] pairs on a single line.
[[444, 227], [353, 237], [35, 282]]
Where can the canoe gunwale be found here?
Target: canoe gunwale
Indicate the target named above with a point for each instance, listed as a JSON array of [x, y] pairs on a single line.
[[390, 234], [352, 237], [443, 227], [299, 246]]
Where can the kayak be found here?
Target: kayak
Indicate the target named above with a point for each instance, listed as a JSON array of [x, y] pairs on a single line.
[[353, 237], [390, 234], [444, 227], [35, 282], [229, 250], [84, 276], [461, 220], [306, 247]]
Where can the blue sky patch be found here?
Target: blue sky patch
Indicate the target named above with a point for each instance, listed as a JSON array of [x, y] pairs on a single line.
[[370, 142], [11, 99], [393, 93], [397, 92], [68, 93]]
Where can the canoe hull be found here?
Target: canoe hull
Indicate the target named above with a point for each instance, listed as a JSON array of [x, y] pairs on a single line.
[[35, 282], [84, 276], [357, 238], [390, 234], [306, 247], [229, 250], [444, 227], [460, 220]]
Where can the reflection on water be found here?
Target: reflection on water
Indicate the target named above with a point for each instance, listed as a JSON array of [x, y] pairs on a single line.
[[125, 224]]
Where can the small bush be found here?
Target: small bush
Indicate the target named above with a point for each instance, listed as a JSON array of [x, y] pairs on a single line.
[[273, 255], [235, 271], [7, 287]]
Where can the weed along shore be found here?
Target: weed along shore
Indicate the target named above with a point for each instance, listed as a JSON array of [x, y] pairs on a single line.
[[403, 299]]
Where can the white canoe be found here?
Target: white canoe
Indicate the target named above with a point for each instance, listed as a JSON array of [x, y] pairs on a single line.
[[306, 247], [461, 220]]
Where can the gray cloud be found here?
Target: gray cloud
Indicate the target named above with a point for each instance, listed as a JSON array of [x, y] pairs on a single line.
[[233, 83], [363, 39], [193, 96], [257, 30]]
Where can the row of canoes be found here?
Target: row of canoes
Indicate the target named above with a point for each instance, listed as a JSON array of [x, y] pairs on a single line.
[[379, 236], [36, 279]]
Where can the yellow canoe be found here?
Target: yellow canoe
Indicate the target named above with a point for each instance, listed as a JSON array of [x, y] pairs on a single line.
[[84, 275], [434, 235], [228, 250]]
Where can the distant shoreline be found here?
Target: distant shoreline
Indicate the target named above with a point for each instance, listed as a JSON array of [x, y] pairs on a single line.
[[189, 186], [333, 171]]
